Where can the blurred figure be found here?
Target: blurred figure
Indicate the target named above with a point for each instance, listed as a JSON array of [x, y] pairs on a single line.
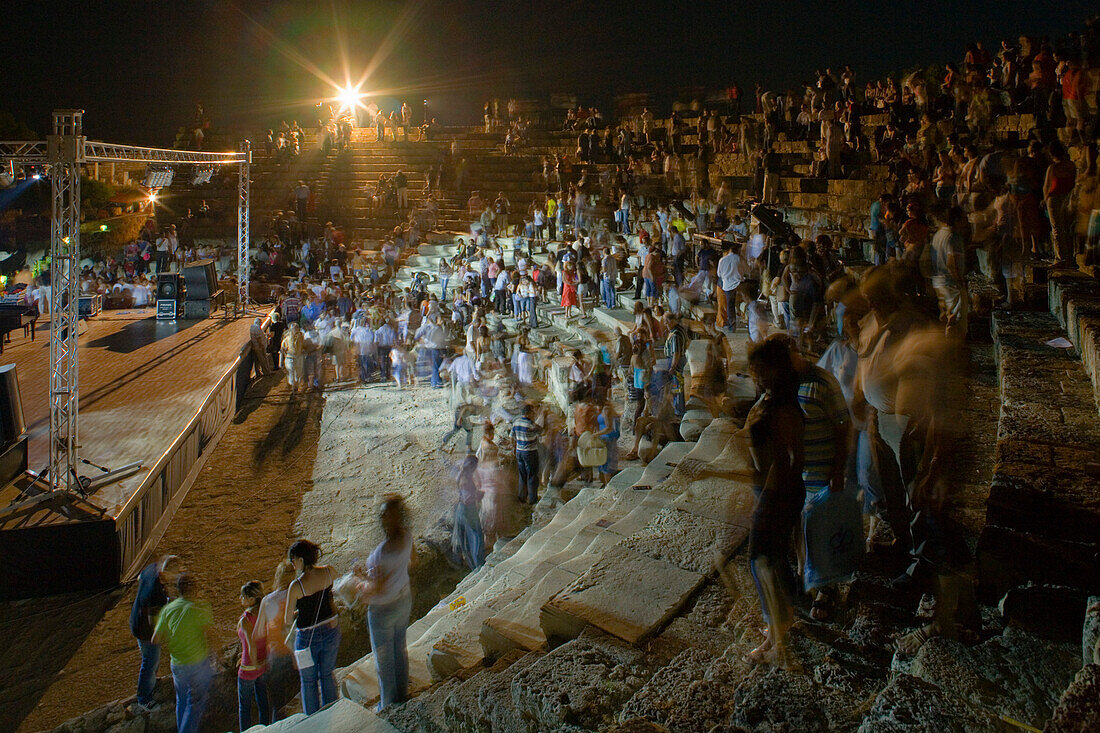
[[182, 626], [467, 539], [281, 678], [388, 593], [152, 595], [776, 426]]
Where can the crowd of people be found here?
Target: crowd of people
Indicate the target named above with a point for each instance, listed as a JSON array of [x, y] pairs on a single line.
[[855, 367]]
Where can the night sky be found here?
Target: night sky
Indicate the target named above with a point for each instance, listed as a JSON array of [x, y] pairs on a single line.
[[138, 68]]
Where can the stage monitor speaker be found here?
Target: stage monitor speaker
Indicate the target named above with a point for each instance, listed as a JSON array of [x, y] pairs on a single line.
[[196, 309], [201, 279], [170, 286], [12, 424]]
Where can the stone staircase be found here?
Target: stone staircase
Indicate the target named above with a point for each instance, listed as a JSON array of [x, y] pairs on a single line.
[[1043, 513]]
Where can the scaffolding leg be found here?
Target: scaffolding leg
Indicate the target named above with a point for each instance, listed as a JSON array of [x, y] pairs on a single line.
[[66, 152], [242, 228]]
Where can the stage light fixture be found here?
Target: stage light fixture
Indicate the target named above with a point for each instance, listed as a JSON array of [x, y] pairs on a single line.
[[7, 175], [158, 177], [202, 175]]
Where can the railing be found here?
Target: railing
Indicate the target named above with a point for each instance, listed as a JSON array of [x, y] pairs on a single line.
[[146, 514]]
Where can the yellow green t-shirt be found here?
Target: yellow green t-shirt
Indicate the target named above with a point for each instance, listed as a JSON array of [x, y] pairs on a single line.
[[182, 623]]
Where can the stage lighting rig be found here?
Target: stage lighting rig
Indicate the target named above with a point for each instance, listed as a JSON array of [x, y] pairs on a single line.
[[202, 175], [7, 175], [158, 177]]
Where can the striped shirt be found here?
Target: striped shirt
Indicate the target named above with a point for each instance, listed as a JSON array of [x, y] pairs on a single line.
[[526, 434], [822, 401]]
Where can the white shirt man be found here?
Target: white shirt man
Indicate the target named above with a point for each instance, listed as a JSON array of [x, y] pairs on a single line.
[[729, 277], [363, 338]]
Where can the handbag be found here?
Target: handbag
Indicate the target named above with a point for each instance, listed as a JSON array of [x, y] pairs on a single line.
[[303, 658], [591, 451]]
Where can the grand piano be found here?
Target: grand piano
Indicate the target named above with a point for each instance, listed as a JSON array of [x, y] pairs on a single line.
[[15, 314]]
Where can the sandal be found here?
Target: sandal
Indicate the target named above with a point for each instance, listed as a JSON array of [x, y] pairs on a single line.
[[911, 643], [822, 607]]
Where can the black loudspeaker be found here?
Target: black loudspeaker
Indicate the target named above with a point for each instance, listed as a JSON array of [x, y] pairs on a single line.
[[772, 222], [12, 423], [170, 286], [201, 279]]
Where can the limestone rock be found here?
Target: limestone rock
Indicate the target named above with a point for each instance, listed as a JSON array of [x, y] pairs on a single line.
[[483, 703], [583, 682], [774, 699], [910, 704], [1090, 634], [1051, 611], [679, 697], [1079, 709], [1017, 674]]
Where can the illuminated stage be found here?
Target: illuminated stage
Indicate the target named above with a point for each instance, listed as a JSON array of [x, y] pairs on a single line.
[[159, 392]]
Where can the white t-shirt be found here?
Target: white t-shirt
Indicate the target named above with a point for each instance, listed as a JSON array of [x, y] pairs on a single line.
[[729, 271], [391, 567]]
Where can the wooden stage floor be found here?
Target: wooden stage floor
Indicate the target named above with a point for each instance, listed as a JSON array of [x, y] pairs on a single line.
[[141, 382]]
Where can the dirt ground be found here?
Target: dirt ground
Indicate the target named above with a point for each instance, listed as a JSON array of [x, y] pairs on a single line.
[[311, 465]]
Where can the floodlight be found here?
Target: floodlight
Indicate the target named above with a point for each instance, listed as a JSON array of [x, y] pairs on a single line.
[[158, 177], [7, 175], [202, 175], [348, 97]]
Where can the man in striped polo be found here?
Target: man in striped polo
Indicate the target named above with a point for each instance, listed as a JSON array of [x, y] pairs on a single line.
[[525, 432]]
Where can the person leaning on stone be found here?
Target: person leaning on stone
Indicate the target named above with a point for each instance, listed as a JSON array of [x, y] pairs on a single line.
[[152, 596]]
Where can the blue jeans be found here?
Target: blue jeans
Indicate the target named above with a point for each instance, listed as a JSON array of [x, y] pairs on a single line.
[[530, 306], [147, 673], [366, 366], [435, 356], [607, 292], [388, 624], [443, 286], [527, 465], [247, 691], [192, 682], [318, 680]]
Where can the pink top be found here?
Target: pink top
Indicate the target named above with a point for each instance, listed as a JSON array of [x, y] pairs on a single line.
[[253, 656]]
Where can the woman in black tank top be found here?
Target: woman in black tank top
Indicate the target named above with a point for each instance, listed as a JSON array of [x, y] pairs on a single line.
[[317, 639]]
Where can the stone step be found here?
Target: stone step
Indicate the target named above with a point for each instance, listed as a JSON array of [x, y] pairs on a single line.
[[359, 680], [343, 716], [1042, 517], [598, 527]]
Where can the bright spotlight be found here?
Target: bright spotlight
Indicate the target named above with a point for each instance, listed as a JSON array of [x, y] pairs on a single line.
[[349, 97], [36, 176], [152, 197]]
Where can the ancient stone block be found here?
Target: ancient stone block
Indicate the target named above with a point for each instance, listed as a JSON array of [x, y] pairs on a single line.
[[690, 541], [583, 682], [1017, 674], [626, 594]]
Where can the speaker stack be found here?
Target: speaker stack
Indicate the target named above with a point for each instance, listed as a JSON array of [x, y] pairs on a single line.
[[201, 287], [170, 296]]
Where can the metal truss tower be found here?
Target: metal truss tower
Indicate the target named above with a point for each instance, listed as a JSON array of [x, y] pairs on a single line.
[[65, 153]]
